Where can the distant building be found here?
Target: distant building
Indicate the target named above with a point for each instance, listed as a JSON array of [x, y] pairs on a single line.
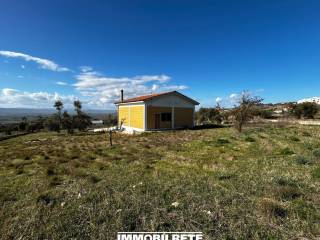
[[169, 110], [96, 122]]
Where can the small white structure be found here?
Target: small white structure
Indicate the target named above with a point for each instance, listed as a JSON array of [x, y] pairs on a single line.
[[96, 122]]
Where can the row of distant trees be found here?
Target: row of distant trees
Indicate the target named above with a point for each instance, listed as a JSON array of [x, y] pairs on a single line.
[[67, 122], [59, 121], [306, 110], [249, 107]]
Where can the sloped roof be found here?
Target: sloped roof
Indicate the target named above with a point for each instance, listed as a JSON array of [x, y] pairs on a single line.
[[154, 95]]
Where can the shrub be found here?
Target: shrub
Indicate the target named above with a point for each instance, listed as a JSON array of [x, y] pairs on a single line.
[[316, 173], [225, 176], [306, 134], [52, 123], [46, 199], [287, 192], [95, 179], [294, 139], [316, 152], [286, 151], [222, 141], [56, 181], [283, 181], [50, 171], [302, 160], [304, 110], [287, 189], [272, 208], [249, 139]]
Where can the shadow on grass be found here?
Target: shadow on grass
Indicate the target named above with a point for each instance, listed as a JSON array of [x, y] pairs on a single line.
[[209, 126]]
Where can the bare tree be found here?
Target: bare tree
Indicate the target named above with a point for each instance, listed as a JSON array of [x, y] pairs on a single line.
[[243, 112]]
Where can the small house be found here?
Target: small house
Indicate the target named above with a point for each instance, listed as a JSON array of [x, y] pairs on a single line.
[[159, 111]]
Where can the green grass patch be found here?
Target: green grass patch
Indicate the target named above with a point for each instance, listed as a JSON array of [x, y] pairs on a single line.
[[316, 173], [286, 151]]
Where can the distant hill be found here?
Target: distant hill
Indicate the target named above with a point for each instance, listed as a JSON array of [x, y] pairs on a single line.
[[15, 114]]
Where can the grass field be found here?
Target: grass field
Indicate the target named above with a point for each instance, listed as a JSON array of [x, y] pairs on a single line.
[[261, 184]]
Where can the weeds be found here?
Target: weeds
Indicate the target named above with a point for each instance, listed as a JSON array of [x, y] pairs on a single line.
[[249, 139], [302, 160], [286, 151], [316, 173], [316, 153], [271, 208], [222, 141]]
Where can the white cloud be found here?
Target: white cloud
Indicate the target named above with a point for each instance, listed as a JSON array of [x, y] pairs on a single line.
[[218, 99], [15, 98], [233, 95], [104, 90], [43, 63], [61, 83], [85, 68]]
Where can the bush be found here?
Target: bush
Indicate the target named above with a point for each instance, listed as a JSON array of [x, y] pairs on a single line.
[[287, 192], [316, 173], [302, 160], [304, 110], [283, 181], [286, 151], [294, 139], [209, 115], [249, 139], [272, 208], [52, 124], [316, 152], [222, 141], [50, 171]]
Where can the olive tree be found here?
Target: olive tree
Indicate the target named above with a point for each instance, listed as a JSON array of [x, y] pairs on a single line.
[[244, 110]]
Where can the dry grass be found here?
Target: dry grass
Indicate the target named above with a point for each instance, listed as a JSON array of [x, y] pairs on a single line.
[[264, 183]]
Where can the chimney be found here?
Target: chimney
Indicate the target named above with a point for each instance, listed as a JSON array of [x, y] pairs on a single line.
[[121, 95]]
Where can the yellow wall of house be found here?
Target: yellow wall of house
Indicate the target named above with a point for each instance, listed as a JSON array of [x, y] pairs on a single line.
[[137, 116], [123, 115], [131, 116]]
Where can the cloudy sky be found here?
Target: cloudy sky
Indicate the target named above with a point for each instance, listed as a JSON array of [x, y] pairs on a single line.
[[210, 50]]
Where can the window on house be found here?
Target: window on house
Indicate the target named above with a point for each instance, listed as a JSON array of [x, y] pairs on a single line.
[[166, 117]]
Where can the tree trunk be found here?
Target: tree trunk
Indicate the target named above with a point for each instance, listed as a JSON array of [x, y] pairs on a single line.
[[110, 137]]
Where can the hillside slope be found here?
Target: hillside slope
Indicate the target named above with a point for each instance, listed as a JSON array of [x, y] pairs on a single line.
[[264, 183]]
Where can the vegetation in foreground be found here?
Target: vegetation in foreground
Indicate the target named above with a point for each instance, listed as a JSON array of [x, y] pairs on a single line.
[[263, 183]]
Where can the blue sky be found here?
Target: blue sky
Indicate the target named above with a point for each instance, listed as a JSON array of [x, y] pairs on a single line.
[[89, 50]]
